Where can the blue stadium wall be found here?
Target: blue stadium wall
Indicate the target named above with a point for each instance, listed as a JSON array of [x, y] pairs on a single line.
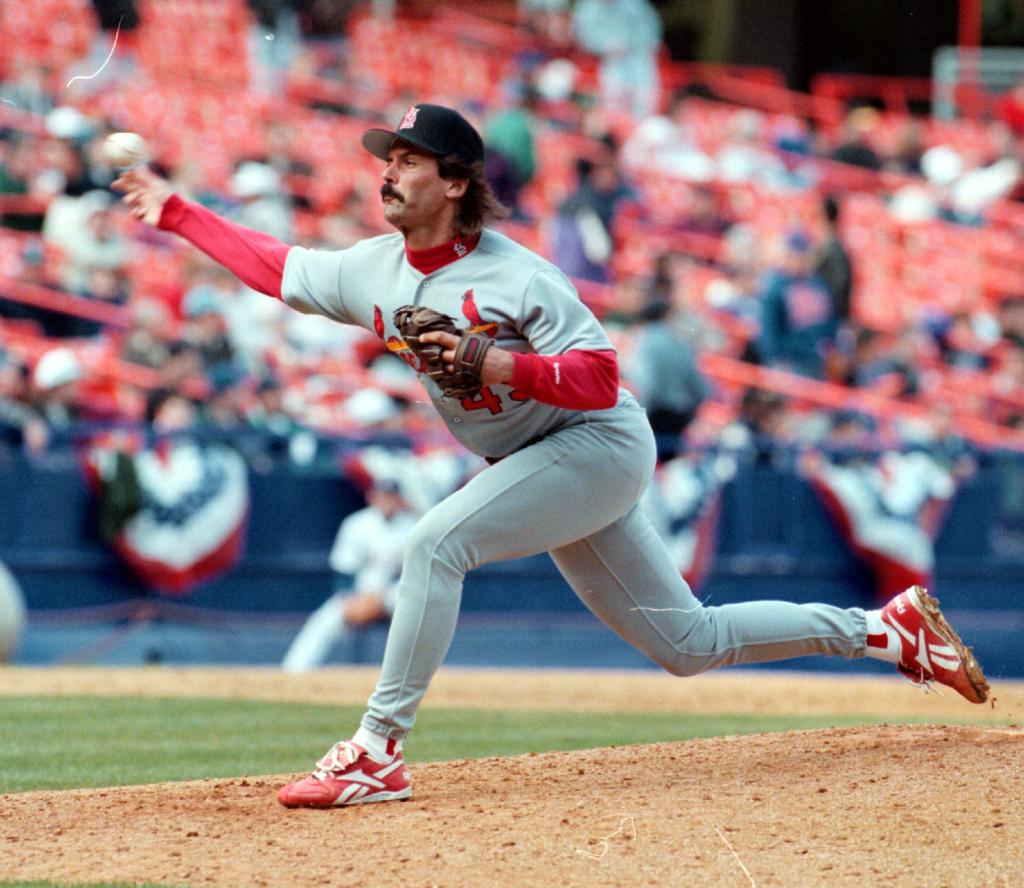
[[775, 541]]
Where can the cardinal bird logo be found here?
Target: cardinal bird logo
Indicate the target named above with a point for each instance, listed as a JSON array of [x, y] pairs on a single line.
[[409, 121], [378, 321], [472, 314]]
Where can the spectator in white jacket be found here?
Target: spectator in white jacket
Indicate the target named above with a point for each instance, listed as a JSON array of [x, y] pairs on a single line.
[[626, 34]]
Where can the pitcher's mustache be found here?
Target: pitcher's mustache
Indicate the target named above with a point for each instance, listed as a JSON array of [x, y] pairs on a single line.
[[388, 190]]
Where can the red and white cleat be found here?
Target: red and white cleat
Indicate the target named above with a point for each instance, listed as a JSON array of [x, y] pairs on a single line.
[[930, 649], [348, 776]]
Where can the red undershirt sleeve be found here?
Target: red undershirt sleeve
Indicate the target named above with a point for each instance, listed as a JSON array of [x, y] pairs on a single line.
[[256, 258], [577, 380]]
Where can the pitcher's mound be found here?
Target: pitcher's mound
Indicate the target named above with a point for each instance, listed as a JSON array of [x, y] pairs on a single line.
[[922, 805]]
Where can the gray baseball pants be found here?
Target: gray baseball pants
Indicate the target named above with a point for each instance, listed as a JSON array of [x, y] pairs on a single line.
[[574, 494]]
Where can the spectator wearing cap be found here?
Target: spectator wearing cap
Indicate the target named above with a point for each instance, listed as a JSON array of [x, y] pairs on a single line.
[[224, 409], [270, 412], [798, 319], [55, 381], [264, 204]]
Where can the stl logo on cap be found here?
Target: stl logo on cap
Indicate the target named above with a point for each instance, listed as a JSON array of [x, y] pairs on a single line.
[[409, 121]]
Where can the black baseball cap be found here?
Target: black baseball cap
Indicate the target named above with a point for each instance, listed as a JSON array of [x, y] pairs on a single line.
[[434, 128]]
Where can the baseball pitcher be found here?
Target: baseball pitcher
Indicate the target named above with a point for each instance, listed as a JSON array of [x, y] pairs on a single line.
[[523, 375]]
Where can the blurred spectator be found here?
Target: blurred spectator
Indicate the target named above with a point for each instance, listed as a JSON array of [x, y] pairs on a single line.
[[739, 292], [55, 382], [148, 341], [582, 243], [225, 408], [880, 364], [366, 562], [703, 216], [284, 147], [62, 158], [511, 159], [626, 34], [549, 19], [761, 425], [742, 157], [906, 155], [1011, 320], [169, 411], [798, 318], [664, 370], [17, 167], [28, 88], [854, 147], [983, 183], [668, 144], [961, 344], [274, 43], [205, 329], [833, 262], [265, 205], [19, 423], [95, 247], [270, 413]]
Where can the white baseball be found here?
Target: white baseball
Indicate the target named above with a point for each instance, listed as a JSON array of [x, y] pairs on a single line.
[[125, 150]]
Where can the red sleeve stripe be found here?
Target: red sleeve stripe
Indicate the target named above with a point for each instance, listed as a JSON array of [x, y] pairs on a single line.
[[256, 258], [576, 380]]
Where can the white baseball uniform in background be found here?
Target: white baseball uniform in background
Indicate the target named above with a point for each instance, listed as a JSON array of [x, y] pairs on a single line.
[[368, 551]]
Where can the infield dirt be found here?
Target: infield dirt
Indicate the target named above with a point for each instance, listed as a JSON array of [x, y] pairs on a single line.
[[933, 805]]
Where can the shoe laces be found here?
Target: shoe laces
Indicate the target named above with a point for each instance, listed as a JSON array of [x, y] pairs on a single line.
[[339, 757], [924, 683]]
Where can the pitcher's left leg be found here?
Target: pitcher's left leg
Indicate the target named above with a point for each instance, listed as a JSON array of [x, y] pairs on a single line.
[[528, 503], [624, 575]]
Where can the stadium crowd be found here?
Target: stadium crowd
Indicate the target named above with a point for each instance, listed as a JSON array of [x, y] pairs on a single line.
[[871, 251]]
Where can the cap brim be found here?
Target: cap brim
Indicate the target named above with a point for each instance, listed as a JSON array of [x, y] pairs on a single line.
[[378, 142]]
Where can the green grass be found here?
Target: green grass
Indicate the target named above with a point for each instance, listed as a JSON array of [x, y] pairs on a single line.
[[67, 742]]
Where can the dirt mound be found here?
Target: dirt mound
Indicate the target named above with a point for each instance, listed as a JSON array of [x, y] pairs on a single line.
[[753, 692], [923, 805]]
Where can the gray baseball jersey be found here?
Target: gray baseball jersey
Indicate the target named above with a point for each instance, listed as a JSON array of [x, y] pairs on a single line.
[[500, 289], [569, 486]]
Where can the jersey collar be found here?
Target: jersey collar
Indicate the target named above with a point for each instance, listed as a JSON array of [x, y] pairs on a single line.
[[431, 259]]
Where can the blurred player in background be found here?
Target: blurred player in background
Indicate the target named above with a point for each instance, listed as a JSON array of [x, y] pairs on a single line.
[[366, 561]]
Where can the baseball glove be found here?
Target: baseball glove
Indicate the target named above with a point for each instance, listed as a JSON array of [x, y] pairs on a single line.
[[464, 381]]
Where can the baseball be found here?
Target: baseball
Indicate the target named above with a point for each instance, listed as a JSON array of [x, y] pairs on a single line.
[[125, 150]]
